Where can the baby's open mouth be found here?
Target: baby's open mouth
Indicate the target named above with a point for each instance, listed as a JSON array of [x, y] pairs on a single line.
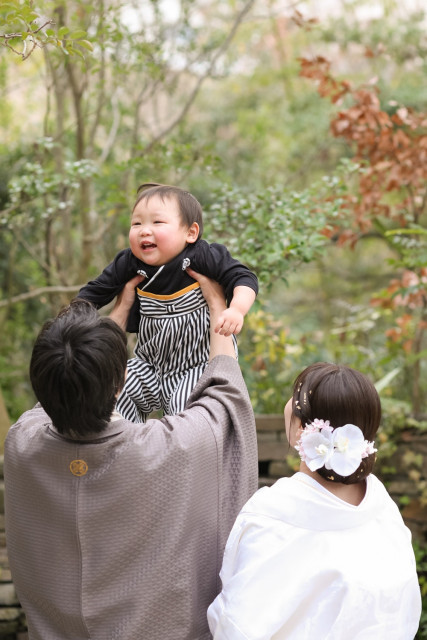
[[148, 245]]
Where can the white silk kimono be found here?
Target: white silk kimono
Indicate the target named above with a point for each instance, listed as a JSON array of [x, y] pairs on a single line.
[[120, 535], [301, 564]]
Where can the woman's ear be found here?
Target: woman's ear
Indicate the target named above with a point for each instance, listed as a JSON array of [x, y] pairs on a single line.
[[193, 233], [297, 434]]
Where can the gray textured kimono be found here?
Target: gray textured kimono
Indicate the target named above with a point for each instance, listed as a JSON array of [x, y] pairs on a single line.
[[122, 536]]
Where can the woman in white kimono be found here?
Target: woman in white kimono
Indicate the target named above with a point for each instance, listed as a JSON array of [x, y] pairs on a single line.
[[324, 554]]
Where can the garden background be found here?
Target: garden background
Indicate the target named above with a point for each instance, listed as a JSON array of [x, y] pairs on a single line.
[[302, 129]]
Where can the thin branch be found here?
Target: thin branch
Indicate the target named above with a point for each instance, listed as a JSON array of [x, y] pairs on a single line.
[[39, 292], [144, 95], [31, 251], [42, 26], [113, 131], [100, 234], [76, 93], [9, 36], [101, 91], [202, 78], [30, 38], [19, 53]]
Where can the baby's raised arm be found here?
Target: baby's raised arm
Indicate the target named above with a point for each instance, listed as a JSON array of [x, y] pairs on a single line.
[[231, 319]]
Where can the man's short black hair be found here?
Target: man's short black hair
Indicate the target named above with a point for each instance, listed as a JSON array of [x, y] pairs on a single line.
[[77, 368]]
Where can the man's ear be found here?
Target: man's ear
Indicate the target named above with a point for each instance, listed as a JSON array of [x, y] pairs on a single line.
[[193, 233]]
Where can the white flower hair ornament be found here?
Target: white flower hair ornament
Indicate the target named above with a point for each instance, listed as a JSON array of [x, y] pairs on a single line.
[[341, 449]]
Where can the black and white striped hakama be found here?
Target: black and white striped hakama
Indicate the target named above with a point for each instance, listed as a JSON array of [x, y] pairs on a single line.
[[171, 353]]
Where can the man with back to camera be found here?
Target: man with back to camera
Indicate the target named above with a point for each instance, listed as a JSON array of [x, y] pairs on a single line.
[[116, 530]]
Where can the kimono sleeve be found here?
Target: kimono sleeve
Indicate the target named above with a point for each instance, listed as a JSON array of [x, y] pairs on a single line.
[[268, 584], [110, 282], [222, 398], [215, 261], [220, 403]]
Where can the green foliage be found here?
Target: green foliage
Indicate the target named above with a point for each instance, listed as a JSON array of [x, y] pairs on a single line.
[[268, 127], [421, 559], [23, 28], [47, 190], [396, 31], [269, 359], [275, 230], [410, 244]]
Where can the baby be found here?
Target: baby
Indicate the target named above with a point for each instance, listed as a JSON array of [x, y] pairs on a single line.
[[170, 314]]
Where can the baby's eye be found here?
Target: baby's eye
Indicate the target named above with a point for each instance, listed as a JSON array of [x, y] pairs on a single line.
[[135, 224]]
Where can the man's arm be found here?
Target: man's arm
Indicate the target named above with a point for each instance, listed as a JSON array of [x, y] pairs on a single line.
[[220, 340], [220, 406]]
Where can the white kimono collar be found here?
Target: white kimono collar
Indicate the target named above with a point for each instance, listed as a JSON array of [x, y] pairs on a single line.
[[302, 502]]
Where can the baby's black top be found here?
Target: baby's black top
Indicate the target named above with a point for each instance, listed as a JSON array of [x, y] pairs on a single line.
[[212, 260]]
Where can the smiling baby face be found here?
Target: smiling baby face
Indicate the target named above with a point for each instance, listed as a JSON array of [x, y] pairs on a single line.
[[157, 233]]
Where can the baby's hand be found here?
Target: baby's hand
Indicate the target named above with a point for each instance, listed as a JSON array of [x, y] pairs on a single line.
[[124, 302], [230, 321]]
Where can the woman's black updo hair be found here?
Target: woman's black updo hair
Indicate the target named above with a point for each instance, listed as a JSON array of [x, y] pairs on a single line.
[[343, 396]]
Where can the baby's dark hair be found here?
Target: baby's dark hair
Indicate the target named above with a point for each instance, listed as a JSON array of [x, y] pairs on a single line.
[[190, 208], [341, 395]]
